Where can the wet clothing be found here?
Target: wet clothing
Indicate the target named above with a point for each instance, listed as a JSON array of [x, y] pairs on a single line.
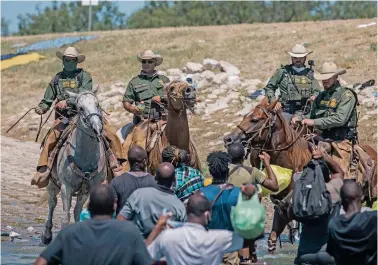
[[124, 185], [143, 88], [145, 205], [102, 242], [242, 176], [221, 210], [193, 244], [295, 87], [334, 112], [353, 240], [188, 181]]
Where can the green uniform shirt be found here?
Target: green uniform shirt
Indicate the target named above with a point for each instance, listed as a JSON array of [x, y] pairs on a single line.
[[334, 108], [143, 88], [67, 82], [284, 80]]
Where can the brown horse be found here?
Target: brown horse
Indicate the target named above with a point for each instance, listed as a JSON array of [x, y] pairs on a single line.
[[266, 130], [154, 136]]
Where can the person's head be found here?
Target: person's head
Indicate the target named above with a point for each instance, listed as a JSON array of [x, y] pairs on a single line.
[[102, 201], [329, 74], [137, 157], [70, 58], [236, 152], [298, 56], [218, 165], [198, 209], [165, 174], [351, 194], [149, 61], [175, 156]]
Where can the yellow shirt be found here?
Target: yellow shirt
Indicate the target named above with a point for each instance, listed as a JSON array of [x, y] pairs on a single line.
[[242, 176]]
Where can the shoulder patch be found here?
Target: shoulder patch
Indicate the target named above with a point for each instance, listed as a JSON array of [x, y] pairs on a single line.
[[348, 94], [332, 103]]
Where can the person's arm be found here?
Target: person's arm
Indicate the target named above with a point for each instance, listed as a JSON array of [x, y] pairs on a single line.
[[127, 211], [334, 167], [87, 83], [340, 116], [271, 181], [48, 98], [53, 253], [316, 88], [271, 87], [129, 99]]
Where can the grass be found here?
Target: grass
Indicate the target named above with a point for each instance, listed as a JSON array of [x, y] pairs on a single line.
[[256, 49]]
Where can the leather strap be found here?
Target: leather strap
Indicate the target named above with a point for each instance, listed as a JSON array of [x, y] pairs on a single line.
[[249, 169], [227, 186]]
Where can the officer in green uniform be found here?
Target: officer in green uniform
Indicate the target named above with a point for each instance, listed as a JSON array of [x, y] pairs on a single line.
[[74, 80], [295, 83], [334, 113], [148, 86]]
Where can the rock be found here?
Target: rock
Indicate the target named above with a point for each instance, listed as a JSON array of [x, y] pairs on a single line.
[[115, 91], [229, 68], [249, 82], [342, 81], [208, 100], [14, 234], [232, 95], [192, 68], [372, 112], [174, 72], [260, 98], [211, 64], [220, 78], [119, 84], [220, 104], [208, 134], [208, 75], [30, 229], [251, 88], [233, 81], [235, 101], [219, 91], [369, 102], [203, 84], [365, 117], [244, 111], [212, 96], [10, 228]]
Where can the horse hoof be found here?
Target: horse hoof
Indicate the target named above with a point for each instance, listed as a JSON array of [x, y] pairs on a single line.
[[46, 240]]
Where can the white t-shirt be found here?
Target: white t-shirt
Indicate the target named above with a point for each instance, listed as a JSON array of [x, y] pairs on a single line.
[[193, 244]]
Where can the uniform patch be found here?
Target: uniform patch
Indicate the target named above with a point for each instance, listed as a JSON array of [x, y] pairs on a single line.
[[161, 82], [66, 83], [324, 102], [303, 81], [348, 94], [73, 84], [332, 103]]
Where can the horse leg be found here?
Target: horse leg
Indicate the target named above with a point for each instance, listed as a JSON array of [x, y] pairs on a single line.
[[80, 201], [279, 223], [66, 193], [53, 191]]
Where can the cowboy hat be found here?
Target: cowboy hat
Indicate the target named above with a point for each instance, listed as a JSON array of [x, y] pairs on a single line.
[[329, 70], [71, 52], [148, 55], [299, 51]]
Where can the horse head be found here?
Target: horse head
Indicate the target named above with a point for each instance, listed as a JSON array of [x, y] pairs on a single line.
[[255, 124], [89, 110], [180, 96]]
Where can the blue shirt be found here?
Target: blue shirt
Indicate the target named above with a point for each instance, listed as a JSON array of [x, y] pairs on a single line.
[[221, 210]]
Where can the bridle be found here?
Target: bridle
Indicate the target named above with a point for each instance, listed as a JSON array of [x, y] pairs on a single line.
[[270, 124]]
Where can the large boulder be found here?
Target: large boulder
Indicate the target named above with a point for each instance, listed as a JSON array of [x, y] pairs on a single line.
[[220, 78], [174, 72], [369, 102], [203, 84], [211, 64], [233, 81], [229, 68], [162, 72], [191, 68], [220, 104]]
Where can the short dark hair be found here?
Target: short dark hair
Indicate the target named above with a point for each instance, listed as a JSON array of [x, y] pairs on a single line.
[[165, 174], [197, 205], [236, 152], [218, 164], [101, 201], [136, 155], [350, 191]]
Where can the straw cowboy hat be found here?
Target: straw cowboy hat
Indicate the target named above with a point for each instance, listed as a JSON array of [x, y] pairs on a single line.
[[299, 51], [329, 70], [148, 55], [71, 52]]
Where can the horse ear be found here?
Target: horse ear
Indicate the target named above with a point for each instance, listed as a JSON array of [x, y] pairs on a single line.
[[71, 94]]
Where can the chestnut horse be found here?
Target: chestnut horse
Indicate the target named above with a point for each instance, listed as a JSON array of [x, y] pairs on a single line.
[[263, 129]]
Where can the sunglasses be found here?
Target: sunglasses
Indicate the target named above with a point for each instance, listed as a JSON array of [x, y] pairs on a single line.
[[68, 60], [147, 62]]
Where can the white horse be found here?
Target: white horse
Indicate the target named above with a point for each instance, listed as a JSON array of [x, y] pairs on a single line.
[[80, 164]]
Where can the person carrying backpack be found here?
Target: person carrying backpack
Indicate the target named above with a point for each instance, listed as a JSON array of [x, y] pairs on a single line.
[[315, 194]]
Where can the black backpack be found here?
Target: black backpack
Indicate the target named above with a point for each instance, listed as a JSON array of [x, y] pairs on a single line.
[[311, 199]]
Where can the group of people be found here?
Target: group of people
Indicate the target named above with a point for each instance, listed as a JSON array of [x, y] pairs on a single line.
[[173, 215]]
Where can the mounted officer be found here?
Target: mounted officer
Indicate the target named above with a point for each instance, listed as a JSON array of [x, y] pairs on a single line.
[[295, 83], [74, 80], [143, 90], [334, 113]]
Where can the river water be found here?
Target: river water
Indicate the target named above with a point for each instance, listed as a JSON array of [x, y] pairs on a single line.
[[25, 251]]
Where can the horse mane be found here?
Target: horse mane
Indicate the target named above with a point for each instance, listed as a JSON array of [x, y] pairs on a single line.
[[299, 153]]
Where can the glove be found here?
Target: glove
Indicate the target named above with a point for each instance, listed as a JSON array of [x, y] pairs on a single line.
[[39, 110]]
